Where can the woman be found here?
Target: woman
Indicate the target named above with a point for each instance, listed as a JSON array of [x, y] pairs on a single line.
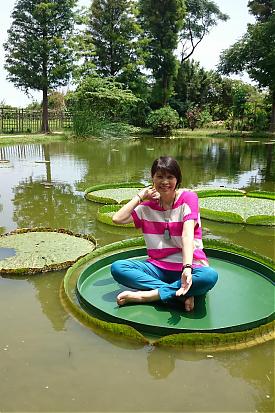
[[177, 268]]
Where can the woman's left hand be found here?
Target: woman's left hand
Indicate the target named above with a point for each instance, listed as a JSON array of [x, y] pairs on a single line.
[[186, 282]]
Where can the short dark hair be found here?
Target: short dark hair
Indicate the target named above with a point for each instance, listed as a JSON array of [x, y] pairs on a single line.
[[167, 164]]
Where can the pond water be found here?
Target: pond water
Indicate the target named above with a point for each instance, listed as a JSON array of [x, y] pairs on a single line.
[[48, 360]]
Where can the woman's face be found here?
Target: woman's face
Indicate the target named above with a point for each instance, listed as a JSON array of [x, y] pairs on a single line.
[[164, 182]]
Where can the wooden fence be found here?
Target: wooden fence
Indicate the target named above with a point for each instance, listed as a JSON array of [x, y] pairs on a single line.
[[30, 121]]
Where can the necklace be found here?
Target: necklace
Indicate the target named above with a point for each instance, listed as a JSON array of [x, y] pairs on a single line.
[[166, 234]]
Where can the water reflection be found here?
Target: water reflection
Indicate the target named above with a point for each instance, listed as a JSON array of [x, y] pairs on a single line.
[[48, 194], [47, 288]]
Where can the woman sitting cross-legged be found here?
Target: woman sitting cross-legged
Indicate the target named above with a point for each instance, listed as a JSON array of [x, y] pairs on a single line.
[[176, 268]]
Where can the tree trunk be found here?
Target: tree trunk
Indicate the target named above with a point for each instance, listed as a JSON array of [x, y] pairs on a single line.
[[272, 120], [165, 90], [45, 114]]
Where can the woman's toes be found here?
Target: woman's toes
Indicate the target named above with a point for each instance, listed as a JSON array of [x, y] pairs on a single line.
[[189, 304]]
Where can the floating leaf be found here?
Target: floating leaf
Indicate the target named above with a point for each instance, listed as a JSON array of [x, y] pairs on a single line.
[[117, 193], [42, 250], [105, 215], [238, 209]]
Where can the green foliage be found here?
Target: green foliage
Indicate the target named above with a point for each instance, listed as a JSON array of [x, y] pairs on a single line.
[[113, 31], [38, 53], [261, 9], [97, 102], [254, 52], [201, 17], [163, 121], [161, 22]]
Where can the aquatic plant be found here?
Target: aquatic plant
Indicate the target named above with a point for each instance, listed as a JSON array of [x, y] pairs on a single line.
[[105, 215], [198, 341], [116, 193], [249, 210], [43, 249]]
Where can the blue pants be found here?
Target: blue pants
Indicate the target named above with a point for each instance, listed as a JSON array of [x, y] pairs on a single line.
[[142, 275]]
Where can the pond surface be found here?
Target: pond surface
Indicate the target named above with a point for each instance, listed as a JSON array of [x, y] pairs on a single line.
[[49, 361]]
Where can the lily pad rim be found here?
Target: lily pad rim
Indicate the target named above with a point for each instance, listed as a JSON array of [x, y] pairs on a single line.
[[114, 185], [105, 219]]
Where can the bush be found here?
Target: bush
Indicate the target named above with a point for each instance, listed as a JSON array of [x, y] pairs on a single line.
[[163, 120]]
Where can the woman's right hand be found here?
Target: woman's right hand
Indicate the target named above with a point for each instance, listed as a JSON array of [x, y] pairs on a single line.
[[149, 193]]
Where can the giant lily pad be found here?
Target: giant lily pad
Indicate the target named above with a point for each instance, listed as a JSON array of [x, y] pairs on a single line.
[[119, 193], [42, 250], [95, 266], [248, 210]]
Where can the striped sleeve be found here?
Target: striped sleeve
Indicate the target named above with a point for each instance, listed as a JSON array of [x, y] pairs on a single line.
[[137, 216], [191, 209]]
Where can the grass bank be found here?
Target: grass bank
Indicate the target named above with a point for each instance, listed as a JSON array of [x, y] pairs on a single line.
[[221, 133], [36, 138], [133, 132]]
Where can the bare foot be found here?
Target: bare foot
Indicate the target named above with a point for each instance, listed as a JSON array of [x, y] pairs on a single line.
[[189, 304], [128, 297], [137, 297]]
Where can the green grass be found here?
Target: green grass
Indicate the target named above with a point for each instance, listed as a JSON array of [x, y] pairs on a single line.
[[220, 133], [36, 138]]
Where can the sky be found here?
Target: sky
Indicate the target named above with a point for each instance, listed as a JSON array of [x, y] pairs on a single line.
[[207, 53]]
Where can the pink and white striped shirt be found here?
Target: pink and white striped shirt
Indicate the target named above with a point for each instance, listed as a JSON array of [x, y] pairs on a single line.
[[152, 219]]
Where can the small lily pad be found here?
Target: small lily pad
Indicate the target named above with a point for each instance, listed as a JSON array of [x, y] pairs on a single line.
[[106, 213], [42, 250]]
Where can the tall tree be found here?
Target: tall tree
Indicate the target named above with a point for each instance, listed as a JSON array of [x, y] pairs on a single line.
[[255, 51], [161, 21], [201, 17], [112, 28], [38, 55]]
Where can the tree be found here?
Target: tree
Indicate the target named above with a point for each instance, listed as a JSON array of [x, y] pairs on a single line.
[[38, 53], [255, 51], [201, 16], [113, 31], [98, 101], [161, 21]]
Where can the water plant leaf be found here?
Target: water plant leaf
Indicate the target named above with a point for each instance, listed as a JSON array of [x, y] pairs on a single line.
[[43, 249], [197, 341], [238, 209], [206, 191], [116, 193], [105, 215]]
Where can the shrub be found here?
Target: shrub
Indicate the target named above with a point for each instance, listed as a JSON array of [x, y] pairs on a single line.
[[163, 120]]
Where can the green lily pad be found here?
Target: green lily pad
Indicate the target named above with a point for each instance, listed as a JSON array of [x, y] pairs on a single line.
[[118, 193], [249, 210], [105, 215], [205, 191], [42, 250]]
